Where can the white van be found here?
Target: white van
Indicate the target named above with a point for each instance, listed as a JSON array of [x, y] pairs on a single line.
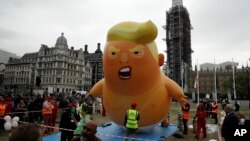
[[81, 92]]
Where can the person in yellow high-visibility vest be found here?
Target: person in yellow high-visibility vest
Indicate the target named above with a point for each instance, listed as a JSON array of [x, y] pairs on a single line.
[[131, 121]]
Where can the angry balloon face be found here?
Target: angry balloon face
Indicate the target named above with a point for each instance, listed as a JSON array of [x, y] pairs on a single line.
[[129, 65]]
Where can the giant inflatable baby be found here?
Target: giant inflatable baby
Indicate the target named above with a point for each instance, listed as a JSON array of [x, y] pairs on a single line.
[[132, 74]]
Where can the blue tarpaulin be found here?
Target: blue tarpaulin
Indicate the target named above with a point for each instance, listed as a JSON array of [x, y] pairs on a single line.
[[52, 137], [113, 132]]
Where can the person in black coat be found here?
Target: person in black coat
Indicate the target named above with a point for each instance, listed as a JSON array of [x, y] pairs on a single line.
[[243, 124], [236, 106], [63, 103], [38, 106], [247, 127], [67, 122], [31, 108], [230, 124]]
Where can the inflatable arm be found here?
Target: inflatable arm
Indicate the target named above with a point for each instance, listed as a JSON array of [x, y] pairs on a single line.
[[175, 91], [97, 89]]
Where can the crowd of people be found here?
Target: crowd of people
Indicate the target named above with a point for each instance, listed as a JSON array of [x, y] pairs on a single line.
[[204, 108], [35, 132], [73, 109], [27, 108], [76, 124], [234, 119], [76, 121]]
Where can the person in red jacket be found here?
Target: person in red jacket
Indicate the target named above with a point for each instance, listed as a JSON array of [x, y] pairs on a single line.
[[54, 112], [47, 113], [201, 121], [9, 106]]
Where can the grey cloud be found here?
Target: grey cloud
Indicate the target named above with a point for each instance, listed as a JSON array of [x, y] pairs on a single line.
[[6, 34], [218, 24]]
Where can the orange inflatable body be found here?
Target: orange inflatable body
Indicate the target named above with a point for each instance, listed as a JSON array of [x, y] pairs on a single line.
[[132, 74]]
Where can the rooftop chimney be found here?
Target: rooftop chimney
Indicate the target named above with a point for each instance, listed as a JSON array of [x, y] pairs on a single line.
[[86, 49], [98, 50], [98, 46]]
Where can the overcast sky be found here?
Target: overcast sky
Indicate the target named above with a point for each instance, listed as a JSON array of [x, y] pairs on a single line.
[[220, 27]]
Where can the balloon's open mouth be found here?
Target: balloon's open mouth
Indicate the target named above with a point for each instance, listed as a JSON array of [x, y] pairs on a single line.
[[125, 73]]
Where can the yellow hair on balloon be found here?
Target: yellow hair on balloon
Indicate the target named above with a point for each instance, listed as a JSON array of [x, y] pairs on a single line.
[[141, 33]]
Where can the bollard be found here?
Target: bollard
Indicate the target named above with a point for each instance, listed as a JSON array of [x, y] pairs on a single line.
[[194, 124]]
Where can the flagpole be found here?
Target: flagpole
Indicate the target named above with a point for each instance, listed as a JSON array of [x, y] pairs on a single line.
[[196, 83], [215, 83], [198, 86], [182, 76], [233, 81]]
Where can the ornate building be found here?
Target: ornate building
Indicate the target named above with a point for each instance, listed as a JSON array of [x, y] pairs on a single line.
[[61, 68], [58, 68]]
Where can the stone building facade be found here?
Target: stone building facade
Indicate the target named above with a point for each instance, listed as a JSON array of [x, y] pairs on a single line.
[[59, 69], [95, 60], [2, 70], [20, 73], [207, 80]]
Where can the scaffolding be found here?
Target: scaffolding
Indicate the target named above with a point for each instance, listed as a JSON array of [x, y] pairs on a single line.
[[178, 40]]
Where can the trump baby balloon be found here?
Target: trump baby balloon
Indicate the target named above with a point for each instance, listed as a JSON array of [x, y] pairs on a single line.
[[132, 74]]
